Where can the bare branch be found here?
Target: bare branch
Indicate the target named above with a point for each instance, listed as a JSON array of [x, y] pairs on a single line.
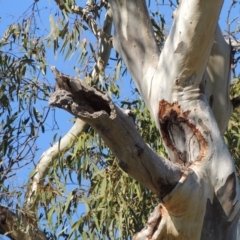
[[229, 22], [105, 46], [118, 131], [235, 44]]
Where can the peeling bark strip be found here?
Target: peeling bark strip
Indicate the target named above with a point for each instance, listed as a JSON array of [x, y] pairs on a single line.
[[179, 135], [227, 194]]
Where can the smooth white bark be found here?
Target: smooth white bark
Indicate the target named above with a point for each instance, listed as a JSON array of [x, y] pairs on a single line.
[[135, 42], [181, 111], [216, 80]]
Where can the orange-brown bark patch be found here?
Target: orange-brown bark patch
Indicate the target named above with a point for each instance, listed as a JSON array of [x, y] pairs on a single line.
[[172, 117]]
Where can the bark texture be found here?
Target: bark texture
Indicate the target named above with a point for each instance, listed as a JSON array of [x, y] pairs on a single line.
[[216, 80], [198, 186], [117, 129], [178, 103]]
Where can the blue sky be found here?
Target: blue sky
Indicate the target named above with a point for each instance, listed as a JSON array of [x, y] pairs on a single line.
[[12, 10]]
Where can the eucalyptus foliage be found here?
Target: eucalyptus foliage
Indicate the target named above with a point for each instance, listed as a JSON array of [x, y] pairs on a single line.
[[87, 176]]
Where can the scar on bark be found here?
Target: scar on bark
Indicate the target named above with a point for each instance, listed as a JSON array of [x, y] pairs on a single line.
[[174, 120]]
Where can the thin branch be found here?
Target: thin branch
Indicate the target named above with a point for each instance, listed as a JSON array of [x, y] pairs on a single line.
[[85, 14], [228, 17], [46, 160]]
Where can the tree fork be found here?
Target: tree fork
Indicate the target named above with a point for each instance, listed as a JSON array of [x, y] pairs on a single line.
[[199, 185]]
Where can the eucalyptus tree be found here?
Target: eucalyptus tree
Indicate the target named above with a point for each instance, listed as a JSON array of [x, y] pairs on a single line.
[[184, 81]]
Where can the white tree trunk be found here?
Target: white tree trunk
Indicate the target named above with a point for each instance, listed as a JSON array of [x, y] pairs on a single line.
[[198, 186], [209, 188], [216, 80]]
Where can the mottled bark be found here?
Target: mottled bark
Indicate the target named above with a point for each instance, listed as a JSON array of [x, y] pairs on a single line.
[[117, 129], [176, 97], [216, 80], [198, 186]]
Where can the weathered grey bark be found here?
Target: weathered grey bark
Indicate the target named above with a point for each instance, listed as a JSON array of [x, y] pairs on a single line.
[[199, 186], [118, 131]]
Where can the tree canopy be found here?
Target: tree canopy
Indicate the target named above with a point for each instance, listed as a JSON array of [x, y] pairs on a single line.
[[76, 188]]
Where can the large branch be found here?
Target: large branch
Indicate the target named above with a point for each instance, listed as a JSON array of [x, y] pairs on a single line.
[[134, 40], [184, 56], [181, 111], [46, 161], [119, 133], [173, 89], [216, 80]]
